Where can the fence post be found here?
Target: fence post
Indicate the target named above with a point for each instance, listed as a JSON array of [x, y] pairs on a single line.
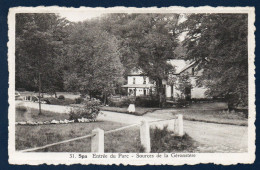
[[97, 141], [145, 136], [179, 125], [171, 125]]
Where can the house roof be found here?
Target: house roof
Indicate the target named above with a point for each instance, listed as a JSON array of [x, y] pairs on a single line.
[[179, 65], [186, 67], [136, 72]]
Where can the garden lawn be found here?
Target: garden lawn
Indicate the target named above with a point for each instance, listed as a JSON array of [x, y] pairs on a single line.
[[22, 115], [209, 116], [214, 116], [139, 111]]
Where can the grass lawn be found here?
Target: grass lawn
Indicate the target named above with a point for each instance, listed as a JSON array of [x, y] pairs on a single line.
[[213, 116], [210, 116], [139, 111], [33, 115], [122, 141], [34, 136]]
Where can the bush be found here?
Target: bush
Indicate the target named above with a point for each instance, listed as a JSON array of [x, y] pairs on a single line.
[[54, 101], [141, 101], [83, 95], [34, 99], [147, 101], [61, 97], [89, 110], [181, 102], [79, 100], [21, 108], [46, 101], [120, 102], [163, 140]]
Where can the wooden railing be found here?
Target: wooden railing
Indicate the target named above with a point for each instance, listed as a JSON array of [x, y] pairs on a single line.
[[97, 135]]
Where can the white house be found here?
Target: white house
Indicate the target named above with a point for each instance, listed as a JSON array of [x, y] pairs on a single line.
[[139, 84]]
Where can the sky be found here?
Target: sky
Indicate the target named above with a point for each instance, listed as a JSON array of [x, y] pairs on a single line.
[[79, 16]]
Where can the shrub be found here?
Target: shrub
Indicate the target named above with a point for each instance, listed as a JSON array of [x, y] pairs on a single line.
[[61, 97], [34, 99], [46, 101], [83, 95], [79, 100], [147, 101], [163, 140], [120, 102], [54, 101], [21, 108], [89, 110], [181, 102]]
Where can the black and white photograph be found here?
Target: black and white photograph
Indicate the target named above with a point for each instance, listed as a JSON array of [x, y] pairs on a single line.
[[131, 85]]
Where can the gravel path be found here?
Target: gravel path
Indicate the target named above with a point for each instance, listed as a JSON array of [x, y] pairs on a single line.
[[211, 137]]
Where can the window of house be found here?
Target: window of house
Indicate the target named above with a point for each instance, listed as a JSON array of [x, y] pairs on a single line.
[[133, 80]]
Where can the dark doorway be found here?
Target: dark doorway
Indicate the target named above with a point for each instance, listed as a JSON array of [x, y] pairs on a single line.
[[172, 91], [187, 93]]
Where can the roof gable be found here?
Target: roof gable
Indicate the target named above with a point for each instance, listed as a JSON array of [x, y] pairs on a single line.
[[179, 65]]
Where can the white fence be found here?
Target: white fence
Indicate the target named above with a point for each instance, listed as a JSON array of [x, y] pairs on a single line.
[[97, 135]]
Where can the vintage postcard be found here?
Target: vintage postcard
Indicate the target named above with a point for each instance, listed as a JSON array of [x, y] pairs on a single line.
[[131, 86]]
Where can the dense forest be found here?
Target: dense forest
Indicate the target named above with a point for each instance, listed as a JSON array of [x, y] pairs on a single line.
[[94, 56]]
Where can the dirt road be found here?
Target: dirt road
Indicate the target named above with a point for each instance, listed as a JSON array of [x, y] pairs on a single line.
[[210, 136]]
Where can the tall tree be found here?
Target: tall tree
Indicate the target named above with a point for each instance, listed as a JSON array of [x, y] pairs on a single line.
[[39, 40], [219, 41], [158, 42], [95, 66], [147, 41]]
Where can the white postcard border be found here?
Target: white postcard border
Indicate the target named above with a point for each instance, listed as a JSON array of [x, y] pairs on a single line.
[[63, 158]]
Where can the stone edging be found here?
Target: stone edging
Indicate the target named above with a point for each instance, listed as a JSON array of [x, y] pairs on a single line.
[[82, 120]]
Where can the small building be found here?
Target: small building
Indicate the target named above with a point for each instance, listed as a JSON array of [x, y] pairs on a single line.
[[139, 84]]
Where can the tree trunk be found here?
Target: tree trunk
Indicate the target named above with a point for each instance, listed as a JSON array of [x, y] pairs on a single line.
[[105, 99], [161, 93], [40, 110]]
